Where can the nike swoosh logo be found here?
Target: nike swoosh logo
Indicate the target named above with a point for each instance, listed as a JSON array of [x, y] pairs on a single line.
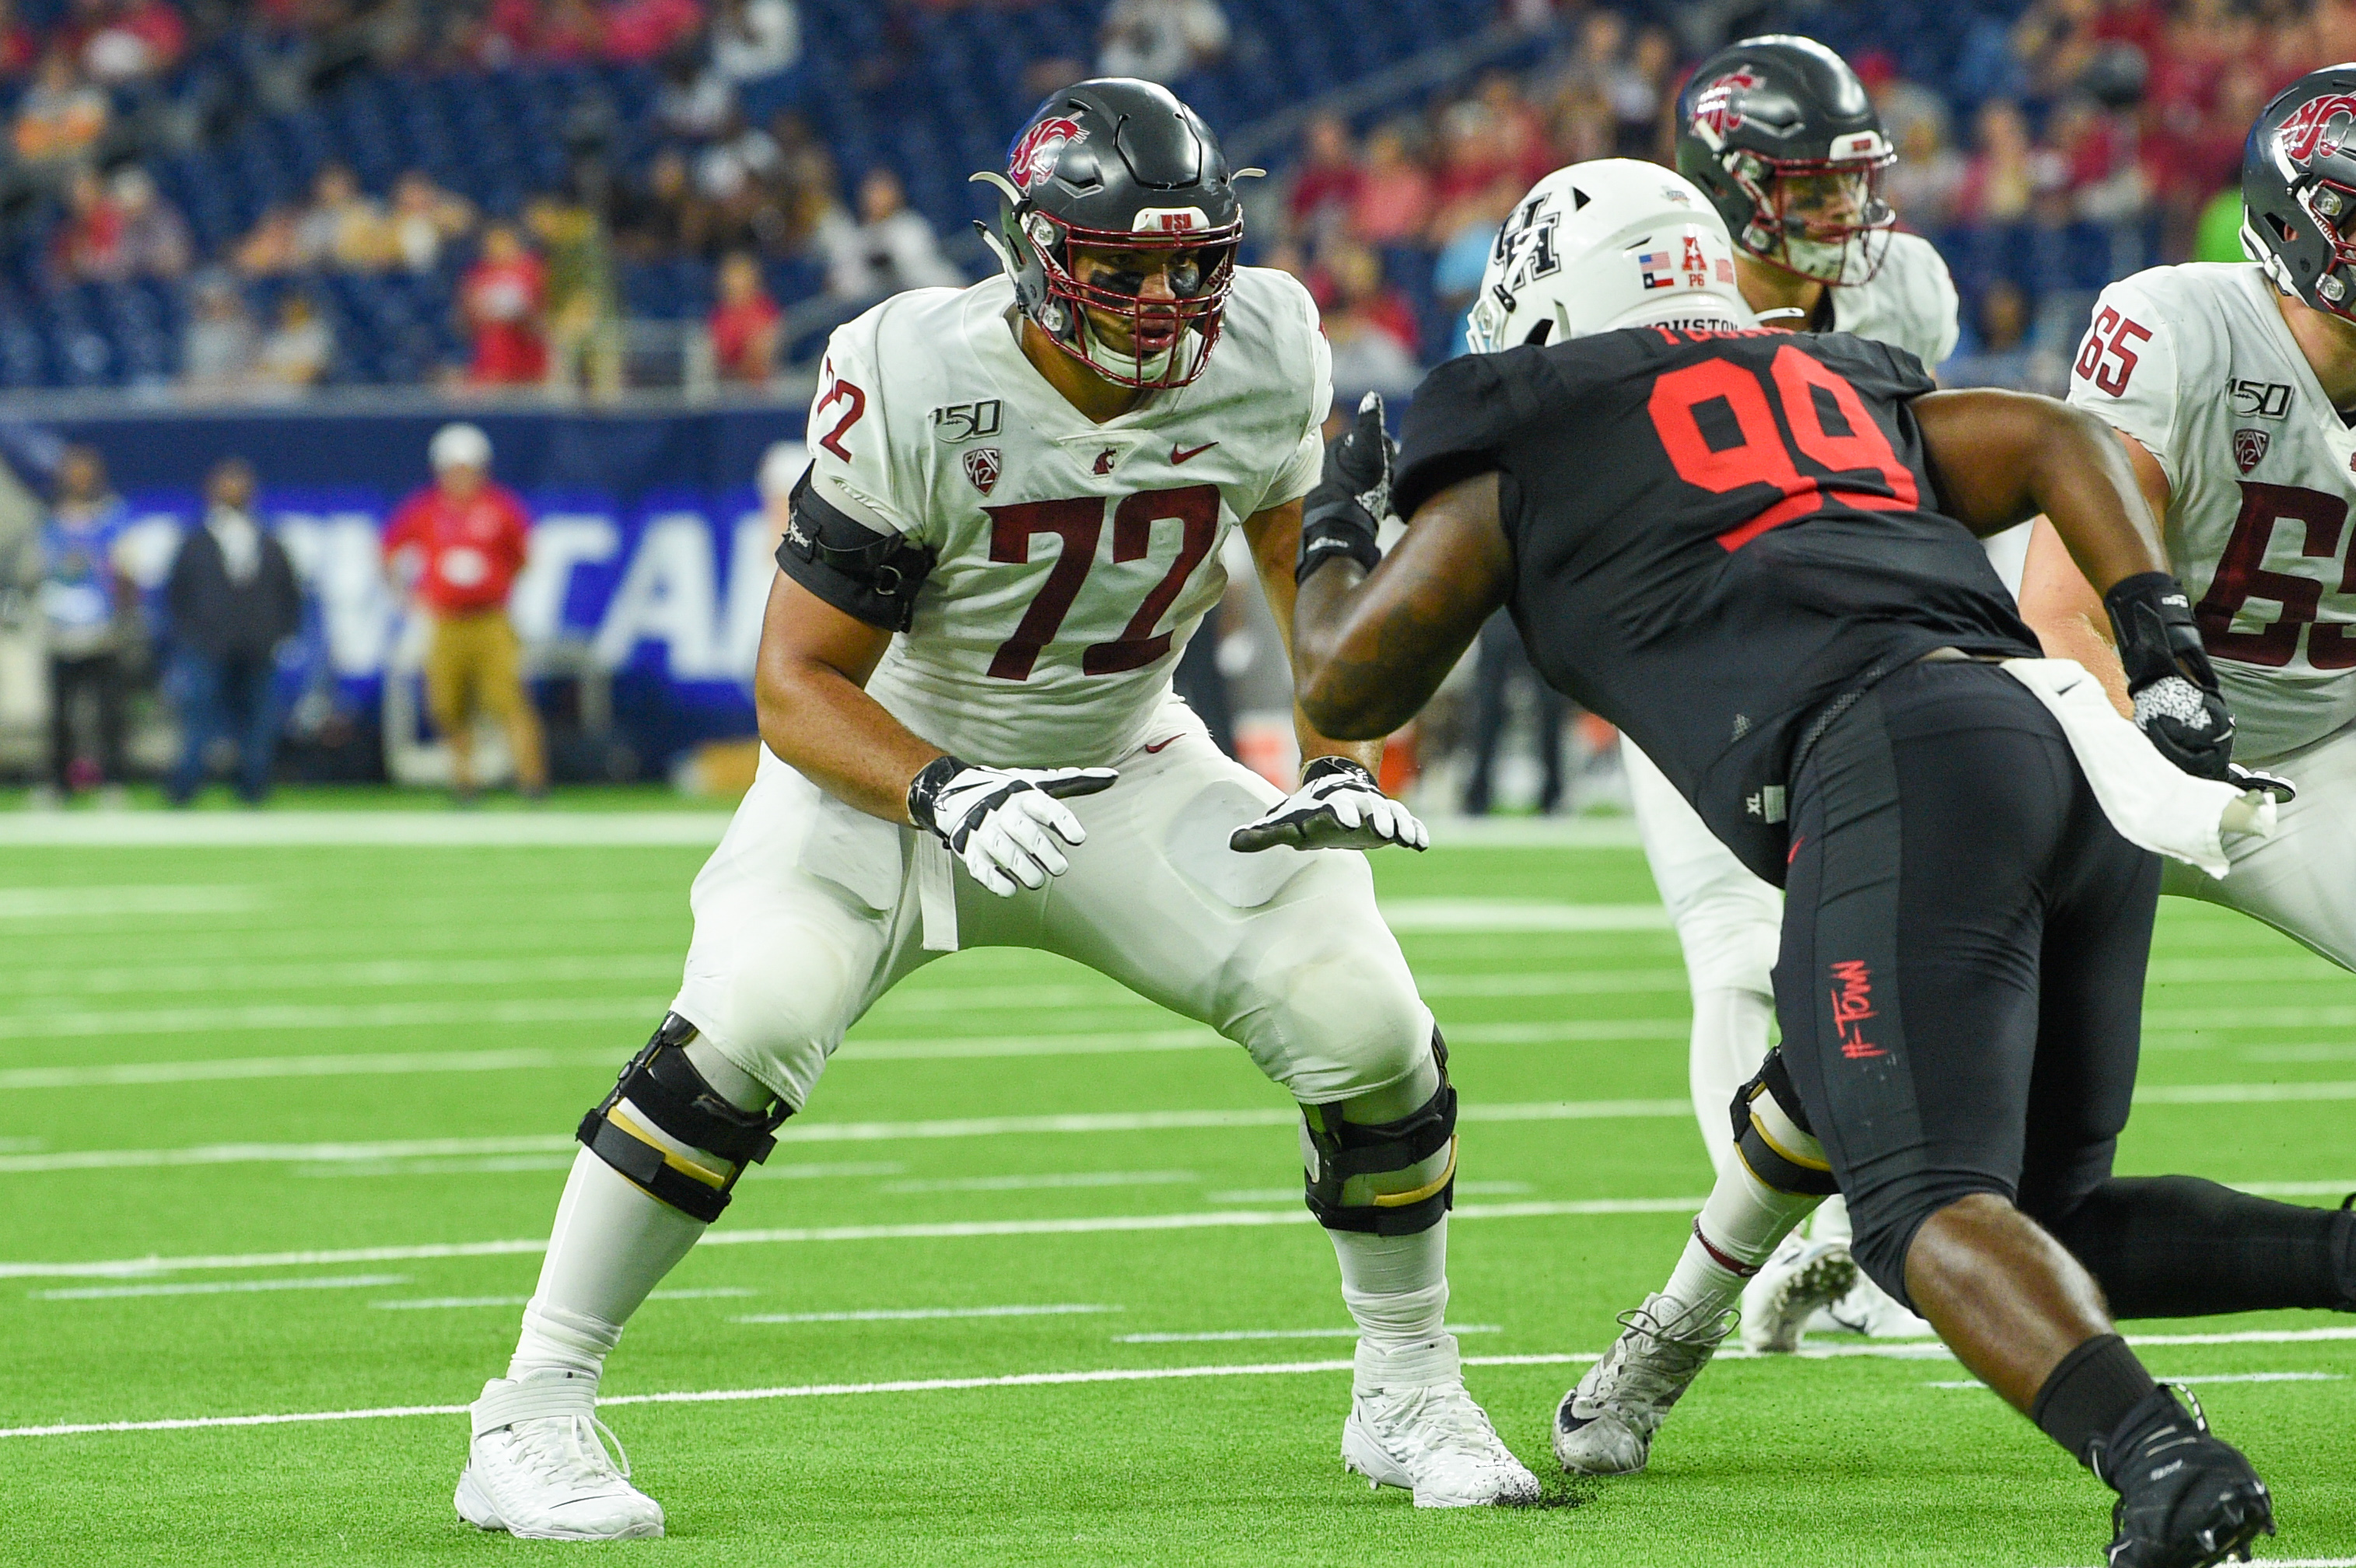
[[1158, 745], [1178, 455]]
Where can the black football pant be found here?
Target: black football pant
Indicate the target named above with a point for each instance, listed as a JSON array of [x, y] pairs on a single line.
[[1961, 996], [100, 675]]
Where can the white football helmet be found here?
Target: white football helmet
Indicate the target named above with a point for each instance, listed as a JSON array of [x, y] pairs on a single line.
[[1604, 245]]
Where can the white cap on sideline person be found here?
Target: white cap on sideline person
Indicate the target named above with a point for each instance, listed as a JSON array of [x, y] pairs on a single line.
[[459, 446]]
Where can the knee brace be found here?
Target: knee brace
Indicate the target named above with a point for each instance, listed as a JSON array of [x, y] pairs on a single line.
[[669, 1131], [1387, 1179], [1771, 1135]]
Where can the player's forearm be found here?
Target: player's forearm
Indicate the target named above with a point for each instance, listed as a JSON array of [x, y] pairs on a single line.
[[2081, 479], [1275, 539], [1342, 686], [823, 724], [2078, 636]]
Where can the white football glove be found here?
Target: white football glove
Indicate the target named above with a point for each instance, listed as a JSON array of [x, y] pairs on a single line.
[[998, 819], [1338, 806]]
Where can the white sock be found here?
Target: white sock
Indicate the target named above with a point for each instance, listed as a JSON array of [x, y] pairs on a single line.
[[1737, 1229], [1395, 1286], [1730, 1031], [611, 1245], [1831, 1223]]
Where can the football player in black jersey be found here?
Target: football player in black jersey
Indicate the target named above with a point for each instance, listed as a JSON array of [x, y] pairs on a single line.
[[1757, 553]]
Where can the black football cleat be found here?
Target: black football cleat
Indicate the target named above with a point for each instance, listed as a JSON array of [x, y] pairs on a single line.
[[2186, 1498]]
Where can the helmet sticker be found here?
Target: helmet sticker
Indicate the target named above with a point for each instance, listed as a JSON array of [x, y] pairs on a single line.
[[1714, 113], [1169, 221], [2311, 133], [1033, 155]]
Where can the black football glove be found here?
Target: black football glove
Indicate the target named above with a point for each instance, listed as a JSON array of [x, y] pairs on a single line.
[[999, 819], [1352, 496], [2177, 703], [1338, 806]]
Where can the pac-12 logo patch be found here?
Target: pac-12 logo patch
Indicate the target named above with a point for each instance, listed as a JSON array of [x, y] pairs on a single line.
[[2249, 447], [982, 467]]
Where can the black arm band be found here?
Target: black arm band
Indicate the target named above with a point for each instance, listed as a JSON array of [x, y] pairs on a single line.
[[2152, 618], [1331, 538], [867, 575], [925, 789]]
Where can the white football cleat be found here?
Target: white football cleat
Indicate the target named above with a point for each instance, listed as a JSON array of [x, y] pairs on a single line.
[[1412, 1424], [1870, 1310], [1802, 1276], [1605, 1426], [538, 1468]]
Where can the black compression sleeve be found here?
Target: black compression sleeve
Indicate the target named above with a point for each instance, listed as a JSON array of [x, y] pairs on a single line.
[[2182, 1247]]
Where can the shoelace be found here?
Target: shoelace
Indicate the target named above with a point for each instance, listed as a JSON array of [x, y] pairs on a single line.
[[1443, 1420], [571, 1452], [1661, 1358]]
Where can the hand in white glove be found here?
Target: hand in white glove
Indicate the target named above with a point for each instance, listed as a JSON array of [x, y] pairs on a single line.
[[1338, 806], [998, 819]]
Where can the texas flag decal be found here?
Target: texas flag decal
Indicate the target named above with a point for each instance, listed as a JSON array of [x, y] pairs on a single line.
[[1658, 269]]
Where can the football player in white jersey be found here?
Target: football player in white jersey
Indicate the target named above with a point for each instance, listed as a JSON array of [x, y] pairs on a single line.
[[1780, 135], [1011, 527], [2233, 385]]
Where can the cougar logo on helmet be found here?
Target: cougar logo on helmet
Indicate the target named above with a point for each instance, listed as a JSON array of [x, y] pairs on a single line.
[[1033, 157], [2309, 134], [1714, 113]]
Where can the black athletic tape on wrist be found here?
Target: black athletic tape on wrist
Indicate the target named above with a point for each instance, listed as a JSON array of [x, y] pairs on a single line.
[[2151, 616], [1329, 539], [1327, 767], [2096, 1387], [925, 790]]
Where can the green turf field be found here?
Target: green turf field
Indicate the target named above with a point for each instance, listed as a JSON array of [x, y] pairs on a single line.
[[331, 1088]]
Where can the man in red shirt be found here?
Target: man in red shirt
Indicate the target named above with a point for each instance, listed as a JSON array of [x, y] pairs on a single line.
[[457, 546], [502, 296]]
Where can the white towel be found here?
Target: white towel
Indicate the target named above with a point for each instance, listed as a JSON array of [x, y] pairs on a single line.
[[2155, 804], [935, 873]]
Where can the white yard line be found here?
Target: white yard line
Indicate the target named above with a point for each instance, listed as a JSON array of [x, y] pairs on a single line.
[[1220, 1219], [443, 1302], [1411, 915], [1226, 1335], [71, 903], [694, 829], [806, 1391], [220, 1287], [1045, 1182], [423, 829], [2173, 1378], [927, 1314], [313, 1018], [800, 1131]]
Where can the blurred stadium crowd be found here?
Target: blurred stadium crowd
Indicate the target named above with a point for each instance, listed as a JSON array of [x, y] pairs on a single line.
[[603, 194]]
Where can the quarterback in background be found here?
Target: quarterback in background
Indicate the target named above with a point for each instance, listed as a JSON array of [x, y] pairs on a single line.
[[2233, 386], [1780, 137], [1010, 528]]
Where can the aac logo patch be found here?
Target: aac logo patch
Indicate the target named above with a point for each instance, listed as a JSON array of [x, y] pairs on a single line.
[[982, 467], [2249, 448]]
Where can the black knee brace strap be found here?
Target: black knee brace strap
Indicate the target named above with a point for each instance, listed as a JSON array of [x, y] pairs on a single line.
[[664, 1088], [1347, 1149], [1786, 1170]]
